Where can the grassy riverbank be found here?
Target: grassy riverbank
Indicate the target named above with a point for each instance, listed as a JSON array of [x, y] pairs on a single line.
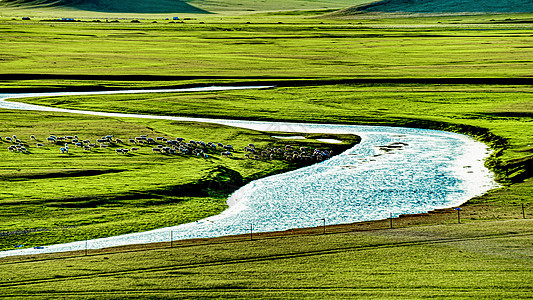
[[51, 197], [484, 260], [496, 114]]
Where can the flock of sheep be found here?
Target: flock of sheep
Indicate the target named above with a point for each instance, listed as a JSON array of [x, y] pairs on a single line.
[[163, 145]]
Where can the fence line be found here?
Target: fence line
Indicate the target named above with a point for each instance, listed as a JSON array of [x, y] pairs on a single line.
[[444, 216]]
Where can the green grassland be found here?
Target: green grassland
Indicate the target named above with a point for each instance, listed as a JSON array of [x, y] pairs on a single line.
[[299, 48], [488, 260], [316, 63]]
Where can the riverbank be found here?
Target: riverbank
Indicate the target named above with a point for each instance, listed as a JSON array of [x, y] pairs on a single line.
[[108, 200], [435, 144], [492, 112], [486, 259]]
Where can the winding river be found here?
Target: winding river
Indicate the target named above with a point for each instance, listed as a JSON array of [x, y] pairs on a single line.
[[425, 170]]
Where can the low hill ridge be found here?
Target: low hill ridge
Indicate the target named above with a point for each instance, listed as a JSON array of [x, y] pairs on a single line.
[[445, 6], [112, 6]]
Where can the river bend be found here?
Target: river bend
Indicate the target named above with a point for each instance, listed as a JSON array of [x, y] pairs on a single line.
[[428, 170]]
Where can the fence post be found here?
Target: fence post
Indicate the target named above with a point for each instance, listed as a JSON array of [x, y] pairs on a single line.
[[390, 220], [251, 232], [523, 211], [458, 209], [171, 238], [86, 251], [324, 225]]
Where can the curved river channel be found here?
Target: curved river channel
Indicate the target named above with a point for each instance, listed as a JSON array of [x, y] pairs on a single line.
[[425, 170]]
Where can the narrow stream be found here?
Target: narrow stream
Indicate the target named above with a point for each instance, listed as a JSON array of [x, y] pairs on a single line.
[[392, 171]]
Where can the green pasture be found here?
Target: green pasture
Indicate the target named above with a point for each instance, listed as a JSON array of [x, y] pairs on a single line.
[[261, 48], [489, 260]]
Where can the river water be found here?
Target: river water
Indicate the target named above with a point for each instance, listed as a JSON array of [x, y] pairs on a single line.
[[423, 170]]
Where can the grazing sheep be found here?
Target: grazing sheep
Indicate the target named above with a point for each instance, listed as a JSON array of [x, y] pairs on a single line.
[[32, 137], [251, 145], [119, 151], [63, 150], [9, 139], [226, 153], [119, 141], [49, 139], [39, 145], [134, 149], [156, 150], [132, 140]]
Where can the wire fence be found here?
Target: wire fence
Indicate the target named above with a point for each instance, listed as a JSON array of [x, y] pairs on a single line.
[[458, 215]]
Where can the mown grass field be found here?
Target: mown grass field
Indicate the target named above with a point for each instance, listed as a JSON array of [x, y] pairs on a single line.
[[316, 63]]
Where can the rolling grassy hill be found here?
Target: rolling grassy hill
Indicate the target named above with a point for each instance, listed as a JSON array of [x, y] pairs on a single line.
[[161, 6], [181, 6], [446, 6]]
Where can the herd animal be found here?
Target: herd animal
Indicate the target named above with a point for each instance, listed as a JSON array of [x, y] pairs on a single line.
[[169, 146]]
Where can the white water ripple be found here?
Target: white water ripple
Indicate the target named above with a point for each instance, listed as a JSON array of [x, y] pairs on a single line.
[[433, 170]]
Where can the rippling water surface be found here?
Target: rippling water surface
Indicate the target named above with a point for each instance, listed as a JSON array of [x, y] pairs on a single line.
[[426, 170]]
